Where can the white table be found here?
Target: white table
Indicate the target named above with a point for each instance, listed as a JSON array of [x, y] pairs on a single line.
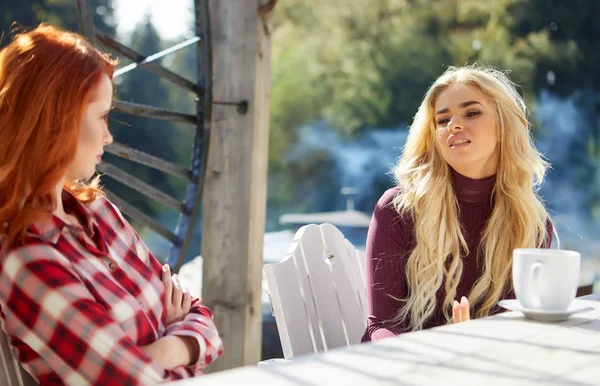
[[504, 349]]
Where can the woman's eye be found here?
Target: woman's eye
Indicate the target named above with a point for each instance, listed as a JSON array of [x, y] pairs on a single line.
[[471, 114], [442, 121]]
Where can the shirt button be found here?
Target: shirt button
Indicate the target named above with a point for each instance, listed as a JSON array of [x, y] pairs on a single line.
[[141, 305], [111, 265]]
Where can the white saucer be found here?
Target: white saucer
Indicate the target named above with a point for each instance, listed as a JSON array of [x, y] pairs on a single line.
[[575, 307]]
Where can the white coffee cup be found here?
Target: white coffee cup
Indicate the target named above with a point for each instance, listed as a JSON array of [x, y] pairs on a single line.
[[545, 279]]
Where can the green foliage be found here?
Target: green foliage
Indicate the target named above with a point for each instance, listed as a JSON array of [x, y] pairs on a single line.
[[361, 64], [62, 13], [367, 63]]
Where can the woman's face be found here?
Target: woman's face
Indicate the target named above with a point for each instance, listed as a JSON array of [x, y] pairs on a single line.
[[94, 134], [467, 131]]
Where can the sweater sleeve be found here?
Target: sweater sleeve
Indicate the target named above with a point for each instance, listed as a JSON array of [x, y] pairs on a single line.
[[386, 250]]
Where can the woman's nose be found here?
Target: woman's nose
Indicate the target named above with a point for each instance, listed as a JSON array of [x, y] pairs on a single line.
[[455, 124]]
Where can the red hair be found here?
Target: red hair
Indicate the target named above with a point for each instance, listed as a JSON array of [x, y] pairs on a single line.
[[46, 78]]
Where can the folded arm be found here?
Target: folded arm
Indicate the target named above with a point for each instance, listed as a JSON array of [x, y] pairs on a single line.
[[48, 308]]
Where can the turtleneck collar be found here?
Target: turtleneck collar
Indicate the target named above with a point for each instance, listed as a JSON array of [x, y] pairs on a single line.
[[470, 190]]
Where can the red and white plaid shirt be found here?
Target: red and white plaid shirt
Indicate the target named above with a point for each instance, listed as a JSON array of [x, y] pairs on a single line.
[[77, 314]]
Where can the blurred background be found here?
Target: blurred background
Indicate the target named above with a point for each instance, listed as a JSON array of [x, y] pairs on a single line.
[[347, 78]]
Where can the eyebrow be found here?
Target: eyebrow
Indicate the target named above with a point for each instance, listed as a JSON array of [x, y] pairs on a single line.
[[462, 105]]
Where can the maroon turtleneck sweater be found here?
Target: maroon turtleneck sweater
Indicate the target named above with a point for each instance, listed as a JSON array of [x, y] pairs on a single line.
[[391, 239]]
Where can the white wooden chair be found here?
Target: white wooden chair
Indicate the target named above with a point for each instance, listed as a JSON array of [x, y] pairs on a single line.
[[318, 292], [11, 373]]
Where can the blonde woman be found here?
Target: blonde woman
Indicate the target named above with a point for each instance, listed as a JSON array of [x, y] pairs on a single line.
[[465, 198]]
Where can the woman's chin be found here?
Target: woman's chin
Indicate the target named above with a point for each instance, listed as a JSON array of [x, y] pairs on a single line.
[[86, 176], [461, 158]]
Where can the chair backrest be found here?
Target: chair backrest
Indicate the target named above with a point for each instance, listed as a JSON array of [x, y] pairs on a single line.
[[11, 373], [318, 292]]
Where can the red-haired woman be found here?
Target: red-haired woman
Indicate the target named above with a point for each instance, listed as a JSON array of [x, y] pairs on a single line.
[[82, 299]]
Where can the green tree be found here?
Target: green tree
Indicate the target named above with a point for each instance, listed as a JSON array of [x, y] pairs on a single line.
[[571, 24], [367, 63], [15, 10], [361, 64], [62, 13]]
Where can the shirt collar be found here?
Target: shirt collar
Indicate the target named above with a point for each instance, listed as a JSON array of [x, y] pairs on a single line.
[[49, 230]]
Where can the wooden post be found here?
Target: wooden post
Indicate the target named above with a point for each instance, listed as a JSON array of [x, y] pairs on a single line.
[[234, 197]]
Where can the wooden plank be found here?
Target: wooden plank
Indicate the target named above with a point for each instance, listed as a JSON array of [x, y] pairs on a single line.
[[142, 218], [85, 19], [290, 308], [235, 185], [142, 187], [343, 272], [193, 193], [148, 63], [306, 235], [143, 158], [321, 281], [360, 278], [258, 193], [153, 112], [8, 374], [362, 264], [11, 372]]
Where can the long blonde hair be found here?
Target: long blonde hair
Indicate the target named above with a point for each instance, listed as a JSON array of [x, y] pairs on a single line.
[[518, 217]]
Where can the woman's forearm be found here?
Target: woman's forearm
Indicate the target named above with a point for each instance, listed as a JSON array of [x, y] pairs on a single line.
[[172, 351]]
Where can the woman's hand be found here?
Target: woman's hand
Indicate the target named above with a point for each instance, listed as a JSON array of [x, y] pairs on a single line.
[[172, 351], [177, 299], [460, 311]]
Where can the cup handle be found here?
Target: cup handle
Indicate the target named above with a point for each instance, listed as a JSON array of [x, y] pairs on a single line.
[[534, 284]]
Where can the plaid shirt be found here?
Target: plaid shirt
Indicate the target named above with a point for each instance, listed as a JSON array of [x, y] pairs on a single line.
[[77, 313]]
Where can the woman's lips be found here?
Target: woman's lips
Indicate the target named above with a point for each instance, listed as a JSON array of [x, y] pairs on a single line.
[[460, 143]]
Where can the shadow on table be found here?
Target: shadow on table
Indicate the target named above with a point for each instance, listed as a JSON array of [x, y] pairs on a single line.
[[417, 358]]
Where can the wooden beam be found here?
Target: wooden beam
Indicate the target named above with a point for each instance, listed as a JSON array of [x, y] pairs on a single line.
[[142, 187], [258, 192], [146, 62], [152, 161], [141, 217], [85, 19], [152, 112], [234, 198]]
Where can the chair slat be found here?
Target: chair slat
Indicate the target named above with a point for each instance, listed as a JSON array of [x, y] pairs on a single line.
[[343, 271], [321, 280], [289, 308], [8, 376], [308, 235], [317, 292], [11, 372], [359, 278]]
